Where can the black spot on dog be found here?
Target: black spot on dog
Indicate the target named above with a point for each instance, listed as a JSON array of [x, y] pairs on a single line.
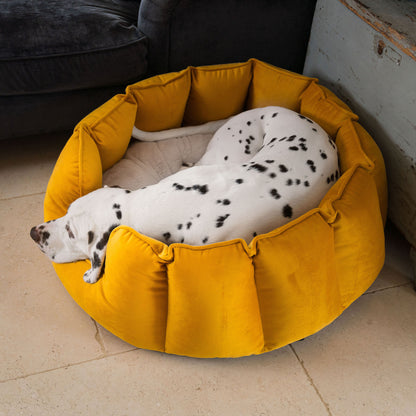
[[302, 139], [248, 123], [272, 175], [314, 129], [275, 194], [303, 147], [274, 115], [305, 118], [289, 182], [226, 202], [239, 181], [272, 140], [205, 240], [188, 225], [202, 189], [291, 138], [225, 157], [178, 186], [182, 240], [269, 161], [283, 168], [96, 261], [69, 231], [295, 148], [127, 191], [118, 212], [258, 167], [90, 237], [311, 164], [167, 236], [221, 219], [323, 155], [104, 239], [283, 139], [45, 236], [254, 234], [262, 117], [298, 181], [306, 183], [287, 211], [180, 226], [336, 175], [198, 215], [240, 141], [247, 152], [240, 131]]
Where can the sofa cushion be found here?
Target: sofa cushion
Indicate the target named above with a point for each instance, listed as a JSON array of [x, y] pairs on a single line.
[[54, 45]]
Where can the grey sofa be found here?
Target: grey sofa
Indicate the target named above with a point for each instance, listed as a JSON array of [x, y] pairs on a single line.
[[59, 59]]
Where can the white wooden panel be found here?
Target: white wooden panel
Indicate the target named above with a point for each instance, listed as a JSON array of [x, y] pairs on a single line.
[[354, 55]]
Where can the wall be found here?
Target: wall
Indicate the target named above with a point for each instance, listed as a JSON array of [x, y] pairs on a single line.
[[355, 51]]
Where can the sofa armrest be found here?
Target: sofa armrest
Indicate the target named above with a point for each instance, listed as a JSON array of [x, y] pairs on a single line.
[[191, 32]]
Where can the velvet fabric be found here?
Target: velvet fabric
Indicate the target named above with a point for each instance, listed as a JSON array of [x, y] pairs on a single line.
[[231, 298], [190, 32], [60, 59]]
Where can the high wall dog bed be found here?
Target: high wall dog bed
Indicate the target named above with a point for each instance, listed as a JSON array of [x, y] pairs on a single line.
[[227, 299]]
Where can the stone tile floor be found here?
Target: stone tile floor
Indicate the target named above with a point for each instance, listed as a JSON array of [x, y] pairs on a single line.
[[55, 360]]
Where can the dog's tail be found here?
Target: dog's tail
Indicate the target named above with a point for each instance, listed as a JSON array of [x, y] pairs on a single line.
[[155, 136]]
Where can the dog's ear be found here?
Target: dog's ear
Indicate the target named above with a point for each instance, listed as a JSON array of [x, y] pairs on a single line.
[[97, 246]]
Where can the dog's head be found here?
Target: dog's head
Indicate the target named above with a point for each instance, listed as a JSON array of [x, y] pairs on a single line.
[[83, 232]]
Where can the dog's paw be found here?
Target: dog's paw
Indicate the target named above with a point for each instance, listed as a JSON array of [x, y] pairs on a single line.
[[91, 275]]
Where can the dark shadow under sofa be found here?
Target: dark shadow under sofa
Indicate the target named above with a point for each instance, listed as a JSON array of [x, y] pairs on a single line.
[[59, 60]]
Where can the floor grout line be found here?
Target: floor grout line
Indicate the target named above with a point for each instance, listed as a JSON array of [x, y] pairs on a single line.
[[310, 380], [382, 289], [22, 196], [67, 366], [99, 338]]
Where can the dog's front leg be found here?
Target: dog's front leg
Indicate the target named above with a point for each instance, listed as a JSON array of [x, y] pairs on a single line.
[[96, 252], [97, 260]]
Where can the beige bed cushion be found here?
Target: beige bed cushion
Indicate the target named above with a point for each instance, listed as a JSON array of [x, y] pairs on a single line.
[[146, 163]]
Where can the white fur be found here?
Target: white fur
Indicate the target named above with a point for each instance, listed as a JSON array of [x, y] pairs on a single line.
[[262, 168]]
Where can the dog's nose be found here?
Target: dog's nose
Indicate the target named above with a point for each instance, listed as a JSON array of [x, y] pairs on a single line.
[[34, 233]]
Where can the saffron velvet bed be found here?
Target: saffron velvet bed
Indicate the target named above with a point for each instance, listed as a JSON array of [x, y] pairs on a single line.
[[227, 299]]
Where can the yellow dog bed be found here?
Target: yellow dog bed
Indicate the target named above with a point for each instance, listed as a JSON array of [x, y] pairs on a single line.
[[227, 299]]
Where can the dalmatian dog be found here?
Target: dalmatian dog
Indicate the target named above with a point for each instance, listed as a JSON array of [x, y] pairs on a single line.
[[262, 168]]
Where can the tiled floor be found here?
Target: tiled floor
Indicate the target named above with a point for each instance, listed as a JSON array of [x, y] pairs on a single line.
[[55, 360]]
